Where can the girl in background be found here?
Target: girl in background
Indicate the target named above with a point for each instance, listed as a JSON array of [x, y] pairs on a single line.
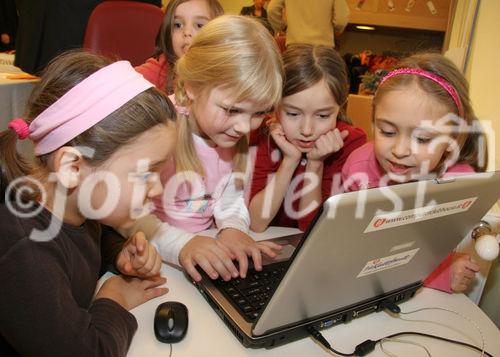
[[183, 19], [227, 81], [309, 141], [424, 128], [90, 121]]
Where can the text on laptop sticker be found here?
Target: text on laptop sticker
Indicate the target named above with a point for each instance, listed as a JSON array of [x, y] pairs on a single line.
[[395, 219], [392, 261]]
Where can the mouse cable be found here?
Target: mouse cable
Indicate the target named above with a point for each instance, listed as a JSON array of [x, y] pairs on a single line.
[[472, 322], [368, 346], [364, 348], [398, 340], [435, 337], [170, 353]]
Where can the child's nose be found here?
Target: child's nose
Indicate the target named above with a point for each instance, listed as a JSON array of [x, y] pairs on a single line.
[[402, 147], [188, 31], [306, 127], [242, 127]]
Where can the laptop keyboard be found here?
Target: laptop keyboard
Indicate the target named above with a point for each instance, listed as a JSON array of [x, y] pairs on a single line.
[[250, 295]]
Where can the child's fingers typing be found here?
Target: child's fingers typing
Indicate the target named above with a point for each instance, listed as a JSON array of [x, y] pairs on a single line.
[[212, 265], [268, 248], [226, 250], [223, 263], [254, 252], [190, 268], [203, 263], [242, 259], [227, 258]]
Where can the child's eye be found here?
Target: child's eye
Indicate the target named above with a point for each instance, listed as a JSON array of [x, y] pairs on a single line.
[[423, 140], [292, 114], [199, 25], [260, 114], [324, 116], [146, 175], [177, 25], [387, 133]]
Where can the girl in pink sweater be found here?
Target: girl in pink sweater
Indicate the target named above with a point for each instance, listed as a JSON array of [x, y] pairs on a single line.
[[230, 77], [424, 127]]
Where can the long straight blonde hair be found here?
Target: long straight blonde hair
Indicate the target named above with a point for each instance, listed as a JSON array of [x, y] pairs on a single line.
[[234, 52]]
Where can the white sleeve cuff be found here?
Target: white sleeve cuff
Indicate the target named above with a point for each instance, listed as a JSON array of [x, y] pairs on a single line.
[[230, 210]]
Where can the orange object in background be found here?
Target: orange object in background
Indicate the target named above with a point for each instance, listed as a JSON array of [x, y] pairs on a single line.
[[359, 110]]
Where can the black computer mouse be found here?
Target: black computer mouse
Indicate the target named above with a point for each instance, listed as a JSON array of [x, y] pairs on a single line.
[[171, 321]]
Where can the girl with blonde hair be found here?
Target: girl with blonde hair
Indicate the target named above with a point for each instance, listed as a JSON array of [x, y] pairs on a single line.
[[230, 77]]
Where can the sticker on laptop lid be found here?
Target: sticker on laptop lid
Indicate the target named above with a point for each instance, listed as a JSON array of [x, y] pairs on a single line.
[[392, 261], [395, 219]]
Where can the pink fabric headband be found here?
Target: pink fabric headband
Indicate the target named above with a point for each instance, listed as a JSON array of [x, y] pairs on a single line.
[[83, 106], [432, 76]]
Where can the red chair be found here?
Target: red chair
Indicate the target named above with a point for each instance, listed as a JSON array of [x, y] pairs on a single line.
[[123, 29]]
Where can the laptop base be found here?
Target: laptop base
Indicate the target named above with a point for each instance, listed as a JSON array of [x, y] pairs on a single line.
[[300, 330]]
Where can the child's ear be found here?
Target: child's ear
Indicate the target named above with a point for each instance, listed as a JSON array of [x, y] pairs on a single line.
[[67, 166]]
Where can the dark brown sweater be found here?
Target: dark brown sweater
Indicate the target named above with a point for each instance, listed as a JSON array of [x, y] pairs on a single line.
[[46, 306]]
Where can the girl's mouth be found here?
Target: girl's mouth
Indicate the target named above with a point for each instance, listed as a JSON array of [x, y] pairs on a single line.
[[305, 144], [233, 137], [399, 168]]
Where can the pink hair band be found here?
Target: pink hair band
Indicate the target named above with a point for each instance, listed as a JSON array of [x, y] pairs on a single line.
[[83, 106], [179, 108], [182, 110], [20, 127], [433, 77]]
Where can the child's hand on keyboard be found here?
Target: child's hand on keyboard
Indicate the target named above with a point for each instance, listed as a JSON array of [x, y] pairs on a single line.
[[210, 255], [242, 246]]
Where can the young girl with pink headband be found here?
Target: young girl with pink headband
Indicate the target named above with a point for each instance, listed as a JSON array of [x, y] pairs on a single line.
[[424, 127], [100, 131]]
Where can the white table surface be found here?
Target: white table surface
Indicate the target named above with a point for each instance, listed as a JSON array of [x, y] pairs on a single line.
[[208, 336]]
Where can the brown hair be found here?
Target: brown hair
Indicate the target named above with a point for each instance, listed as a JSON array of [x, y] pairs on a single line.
[[306, 65], [236, 52], [164, 42], [144, 111], [443, 67]]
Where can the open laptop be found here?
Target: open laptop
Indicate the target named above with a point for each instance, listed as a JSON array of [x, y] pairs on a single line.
[[353, 258]]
